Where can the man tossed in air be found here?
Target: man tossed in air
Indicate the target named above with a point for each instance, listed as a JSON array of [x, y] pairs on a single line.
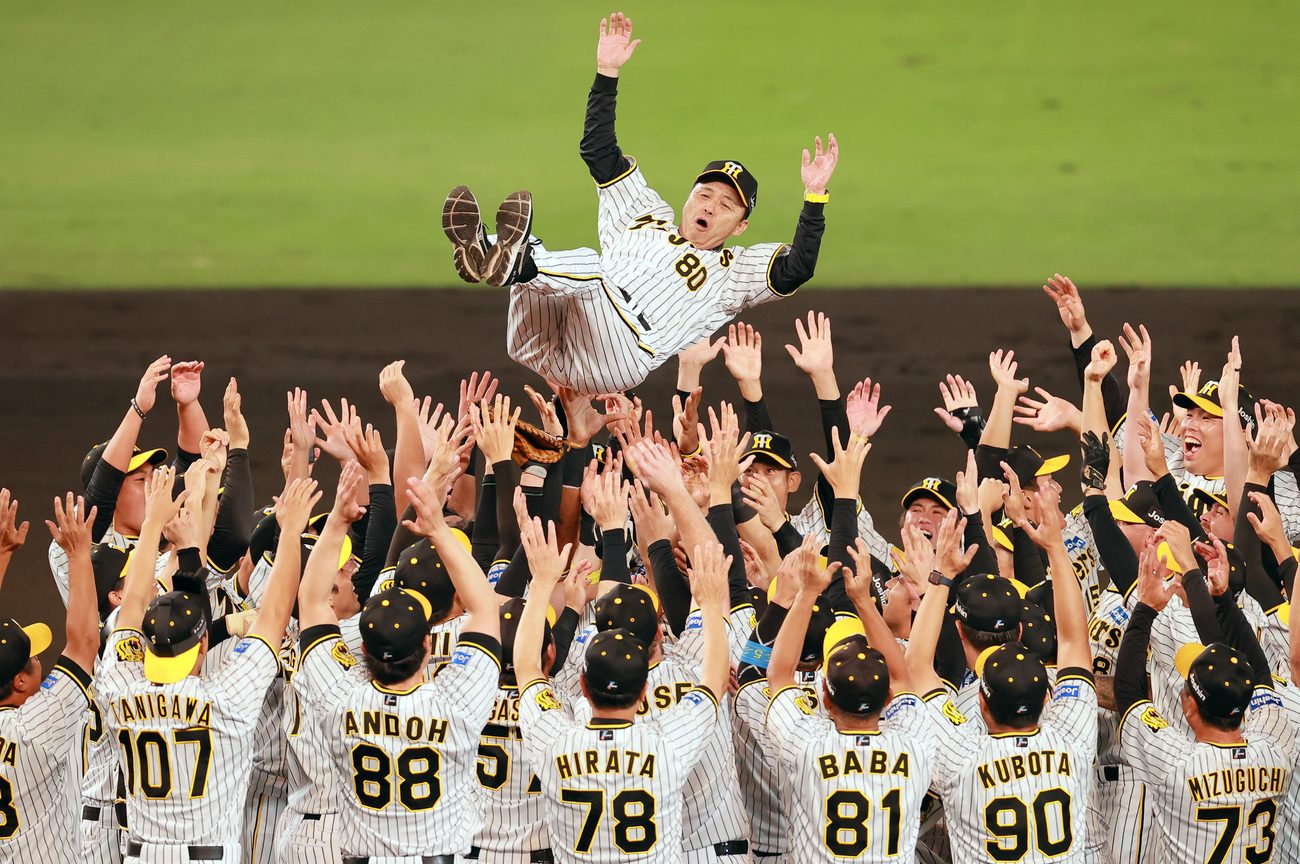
[[601, 321]]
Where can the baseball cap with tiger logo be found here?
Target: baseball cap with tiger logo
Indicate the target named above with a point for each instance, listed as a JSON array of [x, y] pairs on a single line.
[[733, 172]]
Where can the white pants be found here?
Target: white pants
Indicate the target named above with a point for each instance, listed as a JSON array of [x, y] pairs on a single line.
[[101, 839], [1121, 824], [267, 799], [490, 856], [308, 841], [177, 854], [708, 856], [565, 326]]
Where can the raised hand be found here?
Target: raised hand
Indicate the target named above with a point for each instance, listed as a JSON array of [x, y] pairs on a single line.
[[725, 445], [233, 415], [1190, 373], [1267, 448], [332, 426], [1153, 446], [615, 46], [12, 533], [1068, 302], [948, 555], [1003, 367], [187, 381], [743, 352], [368, 448], [585, 421], [1047, 413], [815, 354], [844, 473], [708, 577], [71, 526], [146, 392], [820, 165], [968, 487], [1096, 459], [1013, 499], [654, 464], [302, 431], [1049, 532], [1154, 586], [1215, 555], [917, 557], [159, 507], [958, 396], [475, 391], [608, 501], [1103, 360], [494, 428], [864, 409], [293, 506], [648, 514], [448, 445], [759, 494], [1268, 525], [546, 411], [1137, 347], [1180, 543], [1284, 415], [699, 355], [686, 420], [393, 385]]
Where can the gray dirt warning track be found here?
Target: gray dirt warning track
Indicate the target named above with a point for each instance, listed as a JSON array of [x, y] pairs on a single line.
[[72, 360]]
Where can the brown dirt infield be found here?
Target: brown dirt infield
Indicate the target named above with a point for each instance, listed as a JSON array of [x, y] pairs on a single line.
[[72, 361]]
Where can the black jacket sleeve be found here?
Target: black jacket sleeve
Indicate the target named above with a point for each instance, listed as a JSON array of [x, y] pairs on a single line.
[[380, 528], [1131, 663], [235, 513], [599, 147], [794, 264], [1117, 554], [1111, 397]]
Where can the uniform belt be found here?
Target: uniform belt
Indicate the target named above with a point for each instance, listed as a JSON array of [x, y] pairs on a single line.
[[1110, 773], [90, 813], [197, 853], [535, 856], [759, 853], [731, 847], [311, 817]]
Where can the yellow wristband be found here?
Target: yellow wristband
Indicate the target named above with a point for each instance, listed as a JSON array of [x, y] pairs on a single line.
[[813, 198]]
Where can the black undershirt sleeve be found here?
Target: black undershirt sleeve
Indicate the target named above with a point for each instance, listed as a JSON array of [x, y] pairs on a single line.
[[235, 512], [1112, 398], [794, 264], [757, 417], [985, 560], [599, 146], [1174, 507], [722, 519], [1117, 554], [1130, 664], [674, 590], [788, 538], [101, 492], [380, 528], [486, 540]]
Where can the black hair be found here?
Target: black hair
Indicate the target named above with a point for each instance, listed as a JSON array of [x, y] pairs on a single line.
[[394, 671], [1223, 724], [982, 640], [601, 700], [1005, 715], [7, 687]]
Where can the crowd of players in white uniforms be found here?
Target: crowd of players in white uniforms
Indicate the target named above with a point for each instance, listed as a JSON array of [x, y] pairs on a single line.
[[584, 637]]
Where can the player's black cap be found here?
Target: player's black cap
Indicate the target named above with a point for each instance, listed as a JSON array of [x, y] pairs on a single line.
[[139, 458], [617, 663], [19, 644], [1207, 399], [629, 607], [420, 568], [819, 627], [771, 447], [511, 611], [108, 563], [394, 624], [1002, 534], [1138, 506], [1202, 500], [989, 604], [1029, 464], [733, 172], [1012, 677], [935, 488], [1219, 678], [857, 679], [1038, 630], [173, 627]]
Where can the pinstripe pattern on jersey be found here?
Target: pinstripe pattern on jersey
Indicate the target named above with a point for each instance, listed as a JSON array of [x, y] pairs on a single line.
[[39, 760], [405, 793], [509, 794], [856, 794], [1032, 787], [1288, 831], [626, 768], [196, 737], [1211, 798], [1121, 827]]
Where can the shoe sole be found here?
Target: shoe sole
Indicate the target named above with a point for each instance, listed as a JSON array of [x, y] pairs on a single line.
[[514, 221], [463, 225]]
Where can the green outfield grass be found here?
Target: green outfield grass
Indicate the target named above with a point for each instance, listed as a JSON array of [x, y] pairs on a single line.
[[291, 143]]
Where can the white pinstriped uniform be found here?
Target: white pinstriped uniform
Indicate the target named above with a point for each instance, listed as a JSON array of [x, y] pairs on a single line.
[[1019, 796], [613, 790], [39, 760], [1288, 830], [812, 519], [1121, 828], [509, 794], [59, 561], [406, 759], [764, 785], [185, 748], [101, 838], [856, 794], [1214, 802], [600, 321]]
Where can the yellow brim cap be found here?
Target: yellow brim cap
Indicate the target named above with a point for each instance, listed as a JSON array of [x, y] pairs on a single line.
[[1166, 556], [843, 628], [1123, 513], [1000, 537], [157, 456], [982, 659], [1186, 656], [1051, 466], [1196, 400], [424, 603], [40, 637], [654, 598], [169, 670]]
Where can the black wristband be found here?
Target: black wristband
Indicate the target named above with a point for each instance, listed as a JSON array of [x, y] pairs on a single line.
[[135, 406]]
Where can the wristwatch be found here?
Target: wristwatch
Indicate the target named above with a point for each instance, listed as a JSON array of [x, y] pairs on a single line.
[[937, 578]]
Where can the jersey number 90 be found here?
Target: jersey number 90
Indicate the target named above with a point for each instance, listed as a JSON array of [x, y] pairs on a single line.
[[1008, 821]]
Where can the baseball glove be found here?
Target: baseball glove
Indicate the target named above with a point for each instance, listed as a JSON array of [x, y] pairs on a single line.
[[534, 445]]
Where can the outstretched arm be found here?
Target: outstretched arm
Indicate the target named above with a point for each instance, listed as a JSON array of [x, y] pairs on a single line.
[[599, 147], [794, 264]]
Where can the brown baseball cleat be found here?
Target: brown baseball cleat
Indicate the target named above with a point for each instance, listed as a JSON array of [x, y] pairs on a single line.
[[464, 228], [514, 221]]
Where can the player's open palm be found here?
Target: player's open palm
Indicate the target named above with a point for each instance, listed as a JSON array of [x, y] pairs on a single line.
[[72, 525], [1068, 302], [864, 409], [816, 353], [819, 165], [12, 534], [615, 46]]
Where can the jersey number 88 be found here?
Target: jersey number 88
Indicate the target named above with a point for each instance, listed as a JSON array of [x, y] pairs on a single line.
[[418, 785]]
